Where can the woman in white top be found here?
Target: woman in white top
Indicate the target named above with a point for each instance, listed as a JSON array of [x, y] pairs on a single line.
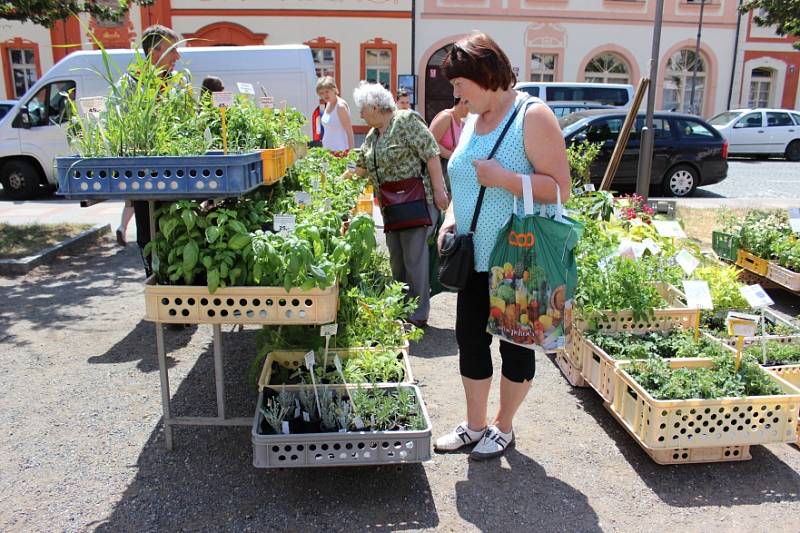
[[337, 129]]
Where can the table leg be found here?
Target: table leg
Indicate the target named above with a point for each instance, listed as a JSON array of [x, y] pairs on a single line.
[[165, 396], [219, 373]]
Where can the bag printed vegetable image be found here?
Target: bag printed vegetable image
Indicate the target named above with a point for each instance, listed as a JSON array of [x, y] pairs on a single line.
[[532, 279]]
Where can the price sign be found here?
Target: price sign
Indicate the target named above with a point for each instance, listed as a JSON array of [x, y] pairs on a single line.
[[309, 360], [756, 296], [302, 198], [651, 245], [221, 99], [283, 223], [93, 104], [589, 187], [698, 295], [794, 219], [687, 261], [246, 88], [328, 329], [742, 324], [267, 102], [669, 228]]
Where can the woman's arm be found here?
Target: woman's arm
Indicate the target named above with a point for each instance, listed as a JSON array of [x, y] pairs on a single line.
[[344, 116], [545, 149], [438, 128]]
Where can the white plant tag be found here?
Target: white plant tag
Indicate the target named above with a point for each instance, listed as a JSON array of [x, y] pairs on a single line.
[[756, 296], [283, 223], [285, 427], [794, 219], [337, 362], [306, 417], [329, 329], [669, 228], [246, 88], [302, 198], [358, 422], [651, 245], [266, 102], [207, 136], [742, 324], [309, 360], [589, 187], [314, 184], [686, 261], [221, 99], [342, 430], [92, 104], [603, 263], [698, 294]]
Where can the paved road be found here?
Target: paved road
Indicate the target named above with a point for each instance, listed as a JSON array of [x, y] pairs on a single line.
[[749, 178]]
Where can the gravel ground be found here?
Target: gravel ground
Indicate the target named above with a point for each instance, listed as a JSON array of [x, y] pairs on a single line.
[[83, 447]]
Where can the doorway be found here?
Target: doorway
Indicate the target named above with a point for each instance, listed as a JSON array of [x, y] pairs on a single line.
[[438, 91]]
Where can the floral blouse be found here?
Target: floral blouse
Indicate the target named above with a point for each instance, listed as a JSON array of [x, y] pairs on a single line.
[[401, 152]]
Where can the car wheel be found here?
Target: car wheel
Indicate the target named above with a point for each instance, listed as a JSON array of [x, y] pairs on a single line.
[[793, 150], [20, 179], [680, 181]]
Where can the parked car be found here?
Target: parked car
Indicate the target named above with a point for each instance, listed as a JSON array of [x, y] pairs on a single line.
[[617, 94], [564, 108], [5, 105], [687, 151], [762, 132]]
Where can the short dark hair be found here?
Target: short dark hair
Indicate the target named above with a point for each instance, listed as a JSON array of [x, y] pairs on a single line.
[[478, 58], [155, 35], [211, 84]]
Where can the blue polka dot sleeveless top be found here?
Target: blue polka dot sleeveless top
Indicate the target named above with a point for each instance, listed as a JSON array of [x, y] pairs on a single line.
[[498, 203]]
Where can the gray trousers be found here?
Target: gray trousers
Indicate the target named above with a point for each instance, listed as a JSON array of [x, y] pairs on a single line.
[[408, 255]]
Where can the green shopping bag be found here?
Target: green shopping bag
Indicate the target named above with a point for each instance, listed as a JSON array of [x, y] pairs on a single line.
[[533, 276]]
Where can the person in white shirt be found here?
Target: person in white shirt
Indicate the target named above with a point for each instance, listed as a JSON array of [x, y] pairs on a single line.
[[337, 127]]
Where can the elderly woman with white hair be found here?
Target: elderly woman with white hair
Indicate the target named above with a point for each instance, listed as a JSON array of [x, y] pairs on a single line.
[[398, 147]]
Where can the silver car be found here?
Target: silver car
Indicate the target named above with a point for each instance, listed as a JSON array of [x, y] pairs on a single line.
[[760, 132]]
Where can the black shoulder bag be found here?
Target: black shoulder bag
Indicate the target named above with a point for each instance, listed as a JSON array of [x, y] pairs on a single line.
[[456, 258]]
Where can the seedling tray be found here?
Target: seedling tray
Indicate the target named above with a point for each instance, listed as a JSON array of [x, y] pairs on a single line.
[[572, 374], [673, 424], [784, 277], [189, 304], [356, 448], [159, 177], [790, 373]]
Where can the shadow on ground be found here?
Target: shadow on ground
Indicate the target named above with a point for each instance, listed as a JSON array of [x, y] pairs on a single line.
[[437, 342], [140, 345]]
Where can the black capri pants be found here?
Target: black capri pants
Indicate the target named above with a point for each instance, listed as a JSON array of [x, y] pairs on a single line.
[[475, 359]]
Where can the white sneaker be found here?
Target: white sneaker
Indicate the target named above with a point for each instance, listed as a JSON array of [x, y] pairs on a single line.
[[458, 438], [493, 444]]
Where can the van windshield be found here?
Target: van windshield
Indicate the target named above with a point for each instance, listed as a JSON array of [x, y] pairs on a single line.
[[604, 95]]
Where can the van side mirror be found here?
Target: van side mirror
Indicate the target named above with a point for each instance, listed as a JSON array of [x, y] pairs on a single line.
[[23, 119]]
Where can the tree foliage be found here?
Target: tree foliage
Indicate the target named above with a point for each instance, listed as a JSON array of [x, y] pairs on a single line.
[[783, 14], [48, 12]]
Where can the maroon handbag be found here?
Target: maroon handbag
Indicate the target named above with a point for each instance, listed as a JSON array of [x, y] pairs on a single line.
[[404, 202]]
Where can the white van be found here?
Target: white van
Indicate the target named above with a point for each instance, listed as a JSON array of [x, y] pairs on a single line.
[[32, 133], [615, 94]]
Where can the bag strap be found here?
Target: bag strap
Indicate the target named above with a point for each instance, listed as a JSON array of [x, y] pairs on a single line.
[[482, 192], [453, 130]]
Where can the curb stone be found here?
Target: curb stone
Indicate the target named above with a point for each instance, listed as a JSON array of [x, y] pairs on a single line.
[[18, 267]]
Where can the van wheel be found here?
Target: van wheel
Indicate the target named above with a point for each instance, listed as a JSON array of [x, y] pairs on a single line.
[[680, 181], [793, 150], [20, 180]]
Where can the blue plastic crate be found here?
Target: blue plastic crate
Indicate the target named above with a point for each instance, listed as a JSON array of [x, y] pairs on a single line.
[[159, 177]]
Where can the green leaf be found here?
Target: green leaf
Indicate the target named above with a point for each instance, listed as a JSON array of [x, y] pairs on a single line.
[[212, 233], [213, 281], [190, 254], [239, 241], [188, 218]]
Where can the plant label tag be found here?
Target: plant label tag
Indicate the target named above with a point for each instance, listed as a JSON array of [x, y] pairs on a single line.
[[358, 422], [372, 420], [297, 411], [342, 430], [302, 198], [698, 295], [742, 324], [794, 219], [285, 427], [266, 102], [686, 261], [756, 296], [309, 360], [283, 224], [329, 329], [207, 136], [669, 228], [589, 187], [306, 417], [314, 184], [246, 88], [603, 263], [92, 104], [651, 245], [222, 99], [337, 361], [627, 250]]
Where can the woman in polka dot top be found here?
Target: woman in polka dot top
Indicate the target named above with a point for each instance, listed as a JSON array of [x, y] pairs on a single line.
[[533, 149]]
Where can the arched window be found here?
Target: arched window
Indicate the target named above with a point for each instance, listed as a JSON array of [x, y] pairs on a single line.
[[678, 82], [760, 87], [607, 68]]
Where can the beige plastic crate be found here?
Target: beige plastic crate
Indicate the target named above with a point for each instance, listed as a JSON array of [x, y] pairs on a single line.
[[672, 424], [677, 456], [572, 374], [784, 276], [790, 373], [293, 359], [753, 263], [189, 304]]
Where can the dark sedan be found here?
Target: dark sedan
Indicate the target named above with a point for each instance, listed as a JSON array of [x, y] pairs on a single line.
[[687, 151]]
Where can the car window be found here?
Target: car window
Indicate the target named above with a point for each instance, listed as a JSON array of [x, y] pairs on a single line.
[[750, 120], [723, 118], [533, 91], [4, 109], [693, 129], [606, 95], [775, 119], [660, 125], [50, 105], [796, 118], [604, 130]]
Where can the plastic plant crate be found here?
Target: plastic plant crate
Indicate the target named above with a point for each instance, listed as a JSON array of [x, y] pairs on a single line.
[[294, 359], [677, 456], [274, 163], [783, 276], [790, 373], [750, 262], [696, 423], [159, 177], [725, 245], [190, 304], [771, 317], [364, 204], [572, 374], [783, 339], [352, 448]]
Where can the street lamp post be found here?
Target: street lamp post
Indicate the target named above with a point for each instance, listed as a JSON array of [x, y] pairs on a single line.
[[696, 57]]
